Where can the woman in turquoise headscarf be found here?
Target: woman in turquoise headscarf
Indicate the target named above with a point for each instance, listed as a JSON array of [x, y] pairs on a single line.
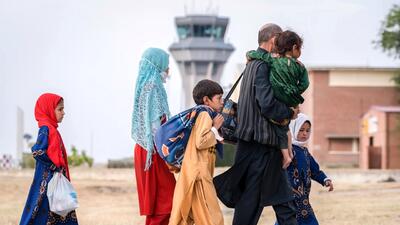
[[155, 183]]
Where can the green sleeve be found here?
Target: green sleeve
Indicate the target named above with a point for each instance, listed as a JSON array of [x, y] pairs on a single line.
[[264, 56], [303, 80]]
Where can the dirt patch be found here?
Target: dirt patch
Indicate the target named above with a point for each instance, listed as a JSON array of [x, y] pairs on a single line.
[[108, 197]]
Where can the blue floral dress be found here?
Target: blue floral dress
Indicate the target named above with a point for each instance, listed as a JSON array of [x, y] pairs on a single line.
[[301, 171], [36, 210]]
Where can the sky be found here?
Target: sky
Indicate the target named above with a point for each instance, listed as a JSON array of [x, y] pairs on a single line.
[[88, 52]]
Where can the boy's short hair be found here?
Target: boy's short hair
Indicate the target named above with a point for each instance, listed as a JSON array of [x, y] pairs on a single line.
[[207, 88]]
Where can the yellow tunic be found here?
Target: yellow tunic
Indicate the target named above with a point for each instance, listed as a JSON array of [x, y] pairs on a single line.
[[195, 199]]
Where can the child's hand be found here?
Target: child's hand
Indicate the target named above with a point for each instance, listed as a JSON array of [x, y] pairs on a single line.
[[218, 121], [328, 183], [173, 169], [296, 111]]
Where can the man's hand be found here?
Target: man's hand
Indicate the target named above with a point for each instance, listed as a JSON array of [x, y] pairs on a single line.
[[290, 152], [296, 111], [328, 183], [218, 121]]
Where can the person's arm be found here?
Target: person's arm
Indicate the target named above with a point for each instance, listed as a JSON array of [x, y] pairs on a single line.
[[316, 173], [270, 107], [205, 138], [39, 150], [303, 81]]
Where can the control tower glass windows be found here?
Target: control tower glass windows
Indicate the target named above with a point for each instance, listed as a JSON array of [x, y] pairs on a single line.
[[208, 31], [219, 32], [202, 30], [184, 31]]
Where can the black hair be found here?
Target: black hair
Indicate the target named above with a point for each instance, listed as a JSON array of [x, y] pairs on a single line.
[[285, 41], [207, 88]]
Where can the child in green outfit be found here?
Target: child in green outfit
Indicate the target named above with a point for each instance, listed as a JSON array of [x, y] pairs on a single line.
[[289, 79]]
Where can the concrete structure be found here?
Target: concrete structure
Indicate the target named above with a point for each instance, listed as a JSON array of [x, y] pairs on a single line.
[[19, 136], [336, 100], [201, 51], [380, 138]]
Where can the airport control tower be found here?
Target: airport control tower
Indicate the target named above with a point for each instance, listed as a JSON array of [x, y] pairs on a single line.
[[201, 51]]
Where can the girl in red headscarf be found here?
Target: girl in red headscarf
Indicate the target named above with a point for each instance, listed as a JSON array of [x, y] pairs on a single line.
[[50, 156]]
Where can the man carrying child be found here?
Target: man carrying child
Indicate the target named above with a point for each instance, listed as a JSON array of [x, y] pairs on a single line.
[[257, 178]]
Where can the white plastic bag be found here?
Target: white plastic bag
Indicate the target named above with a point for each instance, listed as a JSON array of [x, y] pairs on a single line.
[[62, 196]]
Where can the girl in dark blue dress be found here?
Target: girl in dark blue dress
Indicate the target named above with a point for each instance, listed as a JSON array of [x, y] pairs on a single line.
[[50, 156], [303, 169]]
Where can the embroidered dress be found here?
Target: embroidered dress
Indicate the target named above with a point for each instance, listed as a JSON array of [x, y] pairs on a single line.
[[50, 156], [36, 210], [302, 170]]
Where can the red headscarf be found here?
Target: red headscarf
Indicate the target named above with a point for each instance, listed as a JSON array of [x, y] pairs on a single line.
[[45, 115]]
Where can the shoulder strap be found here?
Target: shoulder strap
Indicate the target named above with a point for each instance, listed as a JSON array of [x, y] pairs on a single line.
[[233, 87]]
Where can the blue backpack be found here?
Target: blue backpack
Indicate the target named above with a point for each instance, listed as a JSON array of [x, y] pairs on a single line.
[[172, 137]]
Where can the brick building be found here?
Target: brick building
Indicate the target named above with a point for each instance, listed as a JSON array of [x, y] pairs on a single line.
[[336, 100], [380, 138]]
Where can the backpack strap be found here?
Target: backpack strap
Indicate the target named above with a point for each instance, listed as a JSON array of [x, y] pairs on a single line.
[[233, 88]]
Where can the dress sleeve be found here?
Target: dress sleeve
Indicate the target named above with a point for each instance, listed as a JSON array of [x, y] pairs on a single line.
[[205, 138], [39, 150], [316, 174], [270, 107], [303, 81]]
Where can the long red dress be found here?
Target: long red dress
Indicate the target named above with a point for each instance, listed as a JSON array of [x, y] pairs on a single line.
[[155, 187]]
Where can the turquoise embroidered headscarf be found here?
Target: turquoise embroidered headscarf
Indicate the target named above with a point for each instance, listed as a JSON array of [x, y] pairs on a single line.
[[150, 102]]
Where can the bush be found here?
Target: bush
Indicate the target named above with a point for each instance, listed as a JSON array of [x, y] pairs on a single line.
[[120, 163], [27, 160], [77, 159]]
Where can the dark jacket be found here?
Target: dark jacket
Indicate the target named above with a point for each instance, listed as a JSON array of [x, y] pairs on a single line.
[[257, 105], [257, 153]]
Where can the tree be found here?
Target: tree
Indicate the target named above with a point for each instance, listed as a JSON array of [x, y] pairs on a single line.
[[390, 37], [390, 40]]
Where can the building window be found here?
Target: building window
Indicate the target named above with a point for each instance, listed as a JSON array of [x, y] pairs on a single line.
[[184, 31], [338, 143], [219, 32], [371, 141], [202, 30]]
